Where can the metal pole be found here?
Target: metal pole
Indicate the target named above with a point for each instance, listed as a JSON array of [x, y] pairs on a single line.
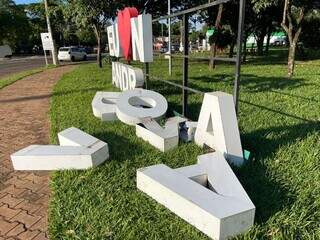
[[146, 74], [169, 38], [238, 57], [185, 64], [54, 53], [45, 57]]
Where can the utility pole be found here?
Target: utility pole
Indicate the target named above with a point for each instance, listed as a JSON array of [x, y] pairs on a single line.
[[169, 38], [54, 52]]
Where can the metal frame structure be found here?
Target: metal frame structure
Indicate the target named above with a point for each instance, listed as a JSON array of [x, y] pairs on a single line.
[[237, 60]]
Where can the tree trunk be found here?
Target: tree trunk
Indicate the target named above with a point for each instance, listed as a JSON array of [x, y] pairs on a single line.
[[293, 38], [231, 50], [99, 60], [98, 37], [268, 42], [244, 51], [213, 54], [260, 40], [291, 59]]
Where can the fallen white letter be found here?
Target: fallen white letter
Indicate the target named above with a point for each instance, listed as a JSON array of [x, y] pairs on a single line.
[[77, 150], [207, 195], [104, 105], [162, 138]]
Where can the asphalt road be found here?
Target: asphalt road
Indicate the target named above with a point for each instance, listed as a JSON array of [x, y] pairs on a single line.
[[19, 64]]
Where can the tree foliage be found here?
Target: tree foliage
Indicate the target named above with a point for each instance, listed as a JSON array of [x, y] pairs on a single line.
[[14, 25], [94, 14]]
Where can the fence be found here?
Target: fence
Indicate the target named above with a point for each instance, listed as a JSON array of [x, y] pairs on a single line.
[[236, 60]]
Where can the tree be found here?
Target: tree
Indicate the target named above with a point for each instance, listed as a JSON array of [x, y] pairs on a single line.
[[294, 13], [14, 26], [217, 27], [293, 16], [93, 14], [310, 35]]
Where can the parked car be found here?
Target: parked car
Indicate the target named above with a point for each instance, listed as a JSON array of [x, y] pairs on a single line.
[[5, 51], [71, 54]]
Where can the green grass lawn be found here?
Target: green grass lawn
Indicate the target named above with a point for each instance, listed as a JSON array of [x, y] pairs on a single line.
[[7, 80], [279, 124]]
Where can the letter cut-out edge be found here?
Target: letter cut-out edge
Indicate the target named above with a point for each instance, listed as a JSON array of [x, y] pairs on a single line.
[[78, 150], [104, 105], [163, 139], [182, 191], [218, 126], [141, 30], [132, 115]]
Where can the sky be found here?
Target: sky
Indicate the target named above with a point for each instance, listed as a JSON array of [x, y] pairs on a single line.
[[25, 1]]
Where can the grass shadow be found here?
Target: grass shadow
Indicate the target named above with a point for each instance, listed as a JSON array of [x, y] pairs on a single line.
[[269, 196]]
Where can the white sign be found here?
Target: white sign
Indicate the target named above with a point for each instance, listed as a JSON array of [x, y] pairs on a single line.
[[47, 41], [126, 77]]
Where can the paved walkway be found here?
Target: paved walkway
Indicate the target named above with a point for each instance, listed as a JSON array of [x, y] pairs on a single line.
[[24, 120]]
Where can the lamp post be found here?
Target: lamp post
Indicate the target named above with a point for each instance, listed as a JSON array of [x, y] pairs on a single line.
[[54, 53]]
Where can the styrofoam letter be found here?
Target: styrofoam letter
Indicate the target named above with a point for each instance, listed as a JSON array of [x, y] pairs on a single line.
[[218, 126], [113, 41], [141, 30], [77, 150], [124, 78], [207, 195], [134, 105], [136, 78], [116, 73], [104, 105], [162, 138]]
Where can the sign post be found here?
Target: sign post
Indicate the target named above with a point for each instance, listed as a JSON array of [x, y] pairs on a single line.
[[47, 44], [53, 50]]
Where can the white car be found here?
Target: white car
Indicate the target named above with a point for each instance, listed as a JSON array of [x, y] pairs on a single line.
[[71, 54]]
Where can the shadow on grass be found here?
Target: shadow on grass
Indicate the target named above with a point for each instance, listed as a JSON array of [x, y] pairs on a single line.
[[268, 196], [117, 141], [251, 83], [290, 115]]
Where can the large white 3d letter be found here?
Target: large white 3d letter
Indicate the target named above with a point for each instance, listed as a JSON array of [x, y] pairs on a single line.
[[141, 35], [126, 77], [134, 105], [77, 150], [104, 105], [162, 138], [218, 126], [207, 195], [116, 73], [113, 41]]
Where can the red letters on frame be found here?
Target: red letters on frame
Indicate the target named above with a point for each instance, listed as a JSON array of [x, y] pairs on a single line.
[[124, 26]]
